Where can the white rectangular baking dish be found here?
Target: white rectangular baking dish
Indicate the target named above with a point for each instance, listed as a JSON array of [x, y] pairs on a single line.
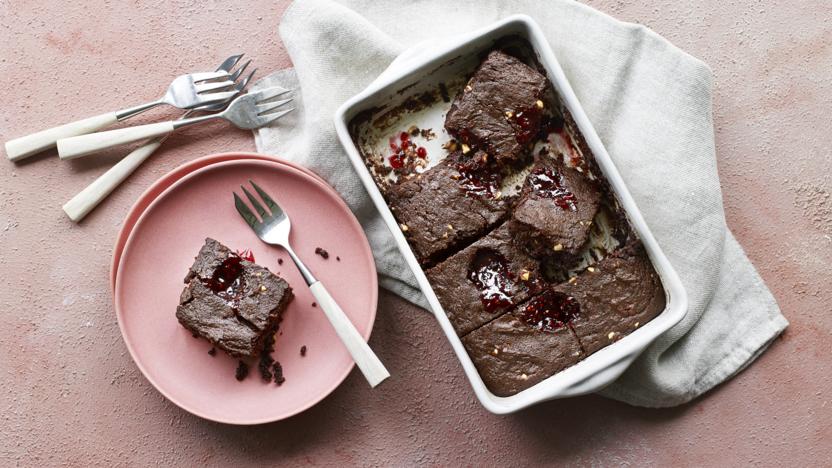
[[427, 64]]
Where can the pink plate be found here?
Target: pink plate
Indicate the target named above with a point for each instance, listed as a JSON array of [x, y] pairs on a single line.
[[146, 198], [161, 247]]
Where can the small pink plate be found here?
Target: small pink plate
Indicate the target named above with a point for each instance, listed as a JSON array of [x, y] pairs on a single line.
[[161, 247], [146, 198]]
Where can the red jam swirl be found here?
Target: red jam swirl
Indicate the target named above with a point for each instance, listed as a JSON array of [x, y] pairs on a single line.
[[227, 280], [489, 271], [548, 183], [550, 311]]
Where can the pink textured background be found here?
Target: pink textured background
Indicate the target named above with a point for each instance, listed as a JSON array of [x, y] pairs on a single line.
[[69, 392]]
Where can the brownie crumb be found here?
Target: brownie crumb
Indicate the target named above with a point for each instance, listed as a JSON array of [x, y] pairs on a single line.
[[212, 351], [314, 304], [337, 258], [280, 261], [265, 364], [323, 253], [242, 371], [278, 373], [303, 350]]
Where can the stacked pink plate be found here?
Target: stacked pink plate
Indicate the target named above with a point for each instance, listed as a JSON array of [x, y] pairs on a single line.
[[161, 235]]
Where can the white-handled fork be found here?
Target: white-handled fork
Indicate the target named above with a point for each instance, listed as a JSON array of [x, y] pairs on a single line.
[[247, 112], [86, 200], [273, 228], [185, 92]]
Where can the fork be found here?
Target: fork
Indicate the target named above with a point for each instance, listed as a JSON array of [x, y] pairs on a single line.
[[86, 200], [185, 92], [248, 111], [273, 228]]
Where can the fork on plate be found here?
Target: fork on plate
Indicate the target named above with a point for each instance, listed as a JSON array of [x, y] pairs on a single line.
[[185, 92], [273, 227], [248, 111], [86, 200]]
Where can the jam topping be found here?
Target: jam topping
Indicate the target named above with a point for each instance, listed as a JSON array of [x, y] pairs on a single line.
[[489, 271], [227, 280], [480, 183], [246, 254], [406, 156], [526, 130], [548, 183], [477, 178], [550, 311], [526, 124]]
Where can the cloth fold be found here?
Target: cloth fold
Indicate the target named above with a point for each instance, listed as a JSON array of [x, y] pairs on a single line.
[[651, 106]]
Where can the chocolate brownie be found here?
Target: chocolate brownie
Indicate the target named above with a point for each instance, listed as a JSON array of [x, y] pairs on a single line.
[[555, 210], [615, 296], [526, 345], [443, 208], [233, 303], [484, 280], [499, 110]]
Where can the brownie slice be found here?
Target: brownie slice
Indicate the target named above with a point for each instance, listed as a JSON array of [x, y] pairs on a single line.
[[617, 295], [484, 280], [526, 345], [233, 303], [556, 208], [499, 111], [443, 208]]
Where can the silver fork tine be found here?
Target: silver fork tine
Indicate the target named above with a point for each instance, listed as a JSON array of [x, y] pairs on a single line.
[[265, 108], [246, 213], [215, 97], [229, 63], [239, 71], [197, 77], [256, 204], [269, 93], [213, 86], [274, 207], [242, 85], [269, 118]]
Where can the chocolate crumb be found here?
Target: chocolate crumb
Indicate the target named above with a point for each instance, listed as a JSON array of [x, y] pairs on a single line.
[[337, 258], [314, 304], [242, 371], [265, 364], [280, 261], [212, 351], [278, 373], [323, 253], [427, 134], [303, 350]]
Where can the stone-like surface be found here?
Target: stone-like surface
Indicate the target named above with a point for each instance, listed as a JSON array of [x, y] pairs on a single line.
[[69, 392]]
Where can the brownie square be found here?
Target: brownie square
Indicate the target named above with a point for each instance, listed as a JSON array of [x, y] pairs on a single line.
[[555, 211], [484, 280], [442, 209], [526, 345], [617, 295], [233, 303], [499, 110]]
